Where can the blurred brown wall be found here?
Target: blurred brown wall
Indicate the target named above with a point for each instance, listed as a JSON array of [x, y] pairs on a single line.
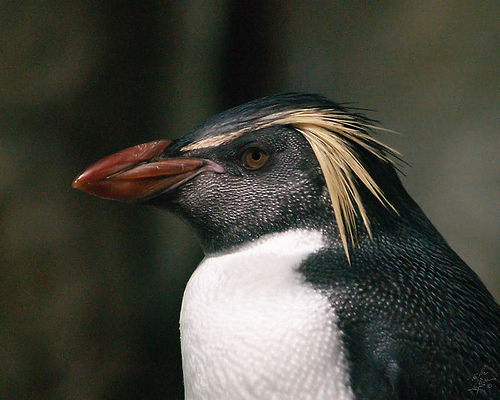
[[90, 290]]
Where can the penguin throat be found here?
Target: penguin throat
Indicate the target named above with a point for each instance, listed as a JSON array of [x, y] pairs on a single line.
[[252, 328]]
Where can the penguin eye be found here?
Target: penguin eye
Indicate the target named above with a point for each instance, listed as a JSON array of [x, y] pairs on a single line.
[[254, 158]]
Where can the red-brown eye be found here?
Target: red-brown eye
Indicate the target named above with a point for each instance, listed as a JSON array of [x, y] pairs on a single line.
[[254, 158]]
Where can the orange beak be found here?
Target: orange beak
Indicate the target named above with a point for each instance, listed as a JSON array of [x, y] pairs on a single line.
[[138, 173]]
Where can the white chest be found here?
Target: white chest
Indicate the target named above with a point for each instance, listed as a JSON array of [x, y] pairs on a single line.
[[252, 329]]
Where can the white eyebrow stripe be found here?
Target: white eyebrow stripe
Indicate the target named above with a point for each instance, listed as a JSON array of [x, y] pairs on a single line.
[[215, 141], [260, 123]]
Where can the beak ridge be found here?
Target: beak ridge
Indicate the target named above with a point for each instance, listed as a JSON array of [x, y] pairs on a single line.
[[137, 173]]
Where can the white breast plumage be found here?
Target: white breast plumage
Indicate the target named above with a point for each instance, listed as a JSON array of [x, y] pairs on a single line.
[[251, 328]]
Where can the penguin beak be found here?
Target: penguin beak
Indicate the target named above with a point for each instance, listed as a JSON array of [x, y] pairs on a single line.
[[139, 173]]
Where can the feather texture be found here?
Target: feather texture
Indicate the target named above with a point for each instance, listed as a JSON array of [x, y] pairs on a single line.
[[333, 136]]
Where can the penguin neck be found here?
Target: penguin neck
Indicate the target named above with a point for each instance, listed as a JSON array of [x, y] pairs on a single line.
[[226, 235]]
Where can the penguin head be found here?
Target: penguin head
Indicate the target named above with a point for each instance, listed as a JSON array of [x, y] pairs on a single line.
[[271, 182], [283, 162]]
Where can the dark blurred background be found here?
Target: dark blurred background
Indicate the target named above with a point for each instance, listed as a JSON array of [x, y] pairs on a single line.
[[90, 290]]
